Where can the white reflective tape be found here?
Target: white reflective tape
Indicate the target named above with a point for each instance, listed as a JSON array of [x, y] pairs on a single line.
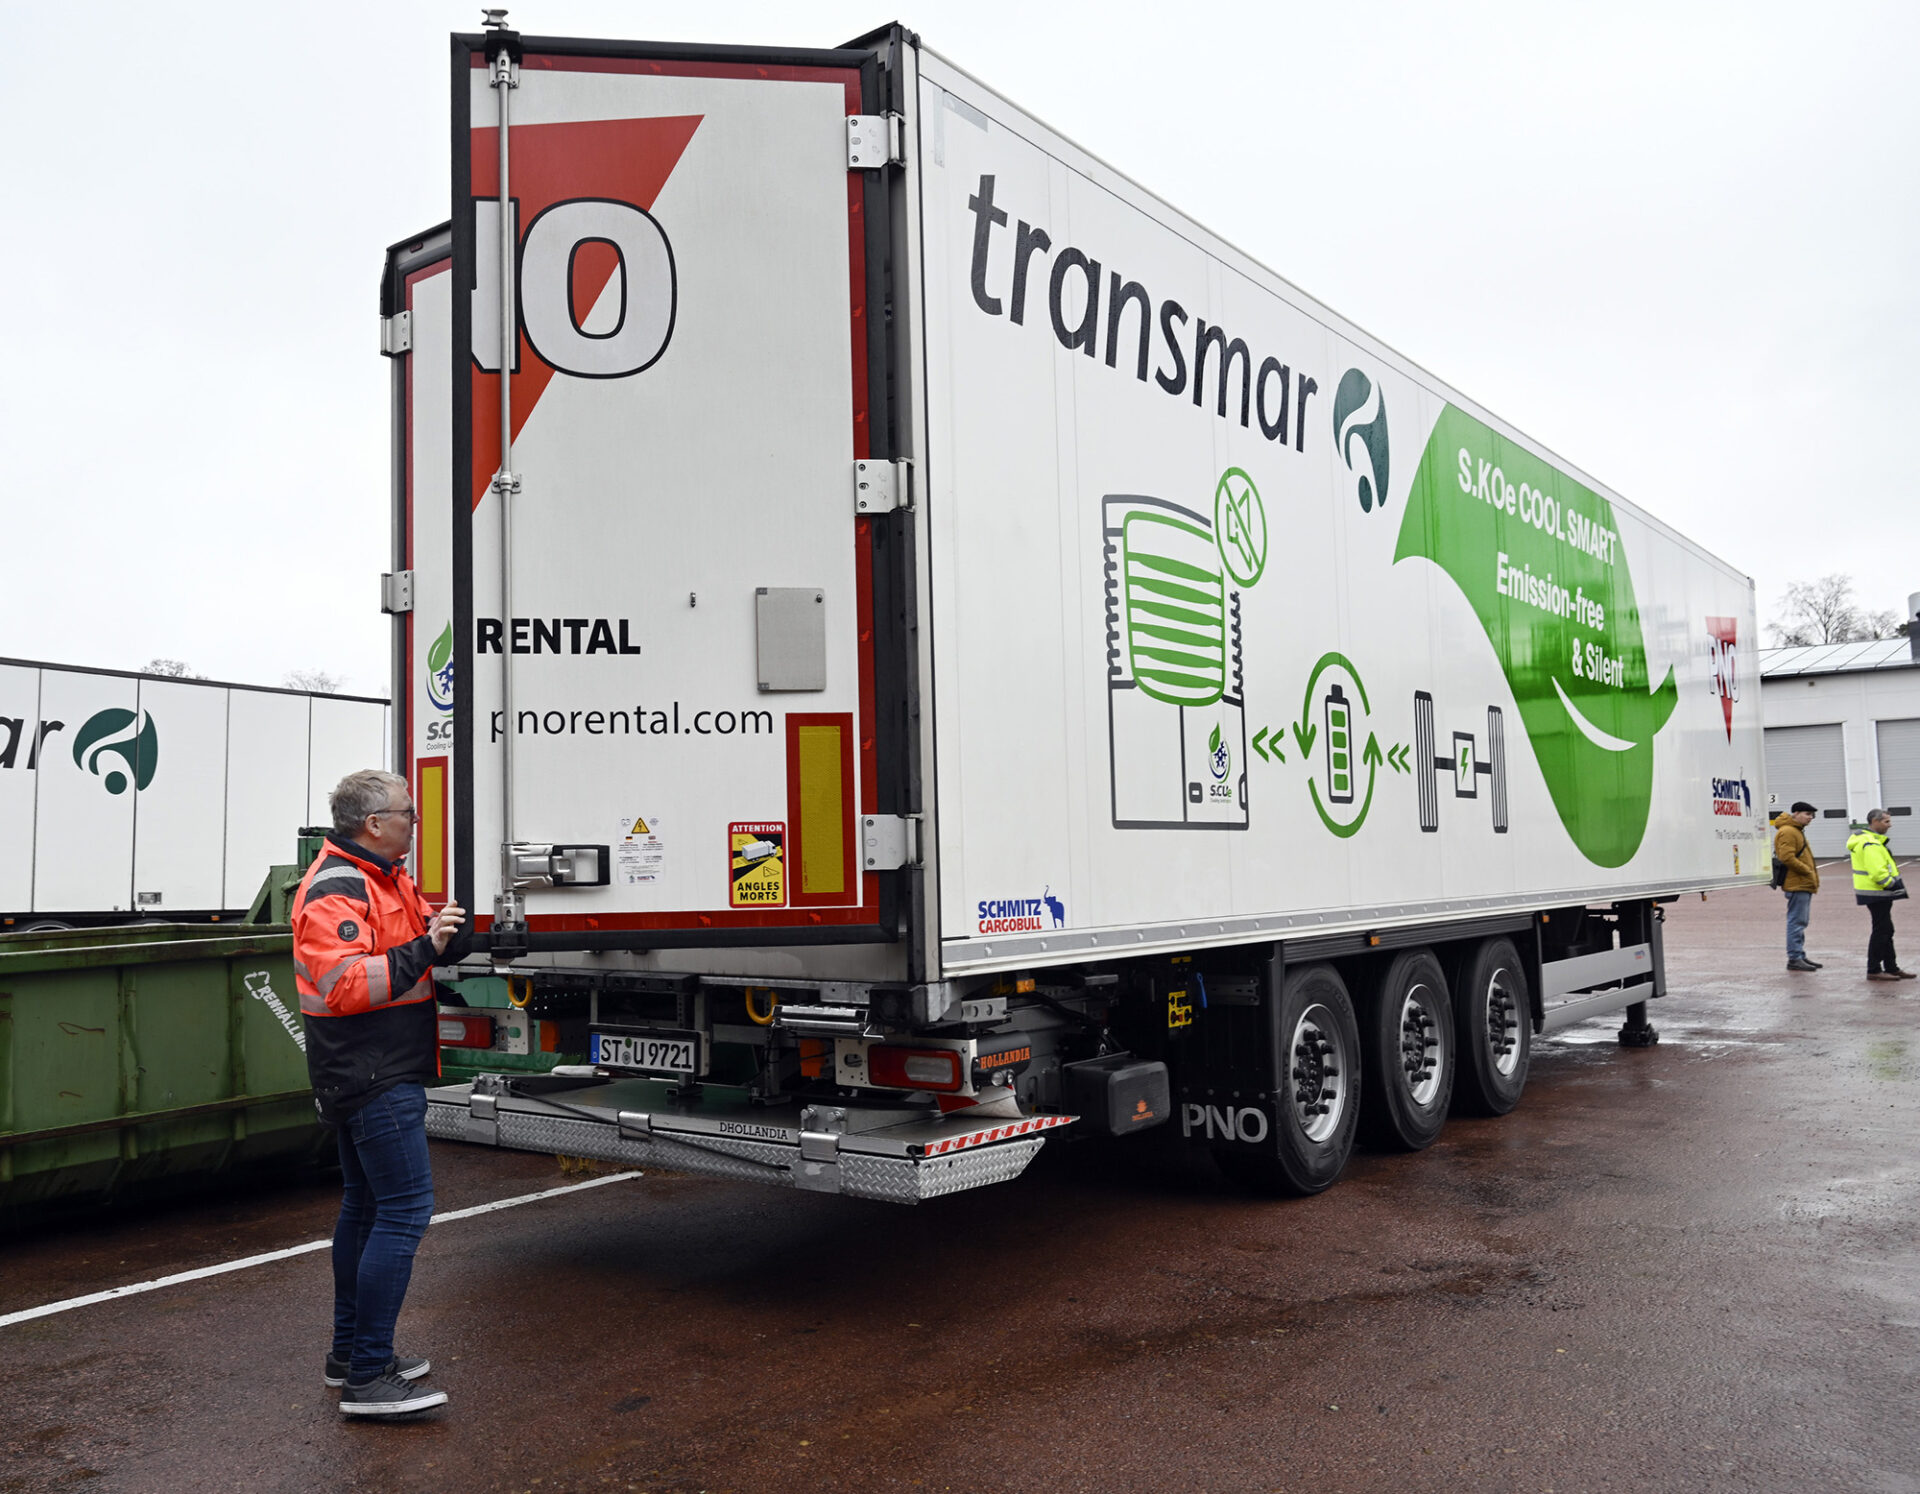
[[26, 1314]]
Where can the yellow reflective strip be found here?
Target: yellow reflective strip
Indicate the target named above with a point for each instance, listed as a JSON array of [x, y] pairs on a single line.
[[433, 830], [823, 843]]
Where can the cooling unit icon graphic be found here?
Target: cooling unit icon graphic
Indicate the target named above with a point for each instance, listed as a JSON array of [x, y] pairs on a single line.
[[1175, 674]]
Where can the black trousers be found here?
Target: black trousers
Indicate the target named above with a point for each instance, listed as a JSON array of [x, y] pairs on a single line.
[[1880, 941]]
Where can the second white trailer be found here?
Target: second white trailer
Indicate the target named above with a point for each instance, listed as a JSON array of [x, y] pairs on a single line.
[[127, 796]]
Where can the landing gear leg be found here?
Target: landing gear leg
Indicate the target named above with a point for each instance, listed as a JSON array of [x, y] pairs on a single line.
[[1638, 1031]]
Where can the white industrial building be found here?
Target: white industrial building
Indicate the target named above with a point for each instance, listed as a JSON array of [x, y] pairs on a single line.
[[1843, 733]]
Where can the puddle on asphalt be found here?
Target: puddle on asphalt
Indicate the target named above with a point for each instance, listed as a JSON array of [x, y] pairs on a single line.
[[1672, 1035], [1887, 1059]]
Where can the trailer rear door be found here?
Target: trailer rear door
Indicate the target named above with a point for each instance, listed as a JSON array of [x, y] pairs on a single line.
[[687, 648]]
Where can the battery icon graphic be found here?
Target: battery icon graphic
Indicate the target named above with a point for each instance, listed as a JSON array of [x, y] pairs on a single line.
[[1339, 748]]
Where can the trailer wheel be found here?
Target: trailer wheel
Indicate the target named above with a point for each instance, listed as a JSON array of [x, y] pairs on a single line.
[[1408, 1052], [1318, 1106], [1492, 1013]]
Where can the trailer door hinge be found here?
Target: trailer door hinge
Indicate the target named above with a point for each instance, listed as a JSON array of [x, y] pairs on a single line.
[[875, 141], [889, 841], [396, 334], [396, 592], [879, 487]]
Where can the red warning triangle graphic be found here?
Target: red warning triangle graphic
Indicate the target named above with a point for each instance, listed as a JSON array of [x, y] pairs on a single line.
[[626, 160]]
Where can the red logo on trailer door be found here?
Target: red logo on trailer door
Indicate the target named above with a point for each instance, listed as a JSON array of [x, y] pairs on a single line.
[[595, 279], [1724, 633]]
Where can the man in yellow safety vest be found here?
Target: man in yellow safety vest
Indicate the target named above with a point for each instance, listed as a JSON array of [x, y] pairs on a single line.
[[1877, 886]]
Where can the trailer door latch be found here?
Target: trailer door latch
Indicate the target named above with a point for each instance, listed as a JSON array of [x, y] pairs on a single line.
[[875, 141], [558, 866], [396, 592], [889, 841], [880, 487]]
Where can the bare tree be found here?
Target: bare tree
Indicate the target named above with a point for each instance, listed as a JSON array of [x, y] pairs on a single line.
[[316, 680], [1820, 611], [1885, 623], [172, 668]]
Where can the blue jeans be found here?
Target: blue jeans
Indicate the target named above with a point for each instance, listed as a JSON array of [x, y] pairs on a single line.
[[1799, 910], [383, 1214]]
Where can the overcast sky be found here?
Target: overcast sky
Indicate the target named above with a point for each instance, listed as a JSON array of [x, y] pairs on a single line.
[[1675, 243]]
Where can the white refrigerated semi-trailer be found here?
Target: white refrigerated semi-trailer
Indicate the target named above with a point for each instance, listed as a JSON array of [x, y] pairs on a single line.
[[127, 796], [951, 645]]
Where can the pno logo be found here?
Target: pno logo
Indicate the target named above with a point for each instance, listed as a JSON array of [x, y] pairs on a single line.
[[1360, 433], [1723, 638], [127, 735]]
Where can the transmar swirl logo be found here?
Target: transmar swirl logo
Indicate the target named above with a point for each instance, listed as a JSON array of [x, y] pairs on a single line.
[[1360, 432], [126, 735]]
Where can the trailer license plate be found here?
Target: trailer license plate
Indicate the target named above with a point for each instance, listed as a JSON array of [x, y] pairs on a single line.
[[658, 1052]]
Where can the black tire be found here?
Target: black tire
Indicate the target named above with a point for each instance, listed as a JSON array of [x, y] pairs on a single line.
[[1493, 1017], [1408, 1052], [1320, 1084]]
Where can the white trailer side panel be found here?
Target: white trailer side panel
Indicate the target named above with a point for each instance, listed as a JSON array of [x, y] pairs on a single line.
[[267, 765], [19, 729], [83, 845], [344, 736], [179, 844], [1246, 626]]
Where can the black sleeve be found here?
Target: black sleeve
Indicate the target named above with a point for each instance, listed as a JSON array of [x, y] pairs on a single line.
[[406, 963]]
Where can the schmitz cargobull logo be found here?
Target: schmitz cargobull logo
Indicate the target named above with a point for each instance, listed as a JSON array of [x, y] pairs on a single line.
[[1021, 915]]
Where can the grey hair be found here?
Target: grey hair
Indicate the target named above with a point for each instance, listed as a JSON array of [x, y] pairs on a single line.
[[1877, 814], [360, 794]]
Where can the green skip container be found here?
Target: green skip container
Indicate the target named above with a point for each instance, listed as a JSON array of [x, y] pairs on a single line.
[[146, 1060]]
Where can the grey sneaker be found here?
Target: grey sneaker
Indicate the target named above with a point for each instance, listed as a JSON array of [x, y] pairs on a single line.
[[400, 1364], [388, 1396]]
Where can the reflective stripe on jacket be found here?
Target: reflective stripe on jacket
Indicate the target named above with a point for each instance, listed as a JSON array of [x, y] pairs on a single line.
[[363, 965], [1874, 871]]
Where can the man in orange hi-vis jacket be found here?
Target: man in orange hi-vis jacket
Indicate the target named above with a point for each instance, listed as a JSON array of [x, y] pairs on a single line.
[[364, 946]]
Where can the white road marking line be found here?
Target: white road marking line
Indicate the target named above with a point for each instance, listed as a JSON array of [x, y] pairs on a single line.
[[177, 1278]]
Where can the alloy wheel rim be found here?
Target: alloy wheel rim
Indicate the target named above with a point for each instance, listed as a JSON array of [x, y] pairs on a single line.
[[1322, 1071], [1421, 1058], [1503, 1024]]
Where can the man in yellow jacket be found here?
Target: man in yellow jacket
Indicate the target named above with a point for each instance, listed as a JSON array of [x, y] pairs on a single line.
[[1791, 850], [1877, 887]]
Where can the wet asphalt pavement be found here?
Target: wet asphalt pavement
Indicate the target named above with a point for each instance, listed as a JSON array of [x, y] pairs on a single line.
[[1691, 1267]]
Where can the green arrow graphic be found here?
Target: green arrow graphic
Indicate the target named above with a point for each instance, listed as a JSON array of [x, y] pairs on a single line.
[[1259, 739], [1304, 736], [1371, 755], [1539, 558]]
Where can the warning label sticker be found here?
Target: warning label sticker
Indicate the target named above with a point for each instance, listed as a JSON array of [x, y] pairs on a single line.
[[639, 851], [757, 854]]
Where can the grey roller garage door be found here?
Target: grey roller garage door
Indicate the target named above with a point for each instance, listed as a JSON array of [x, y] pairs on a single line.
[[1900, 779], [1810, 762]]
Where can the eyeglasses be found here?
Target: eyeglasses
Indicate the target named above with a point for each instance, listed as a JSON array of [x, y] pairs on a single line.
[[412, 814]]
